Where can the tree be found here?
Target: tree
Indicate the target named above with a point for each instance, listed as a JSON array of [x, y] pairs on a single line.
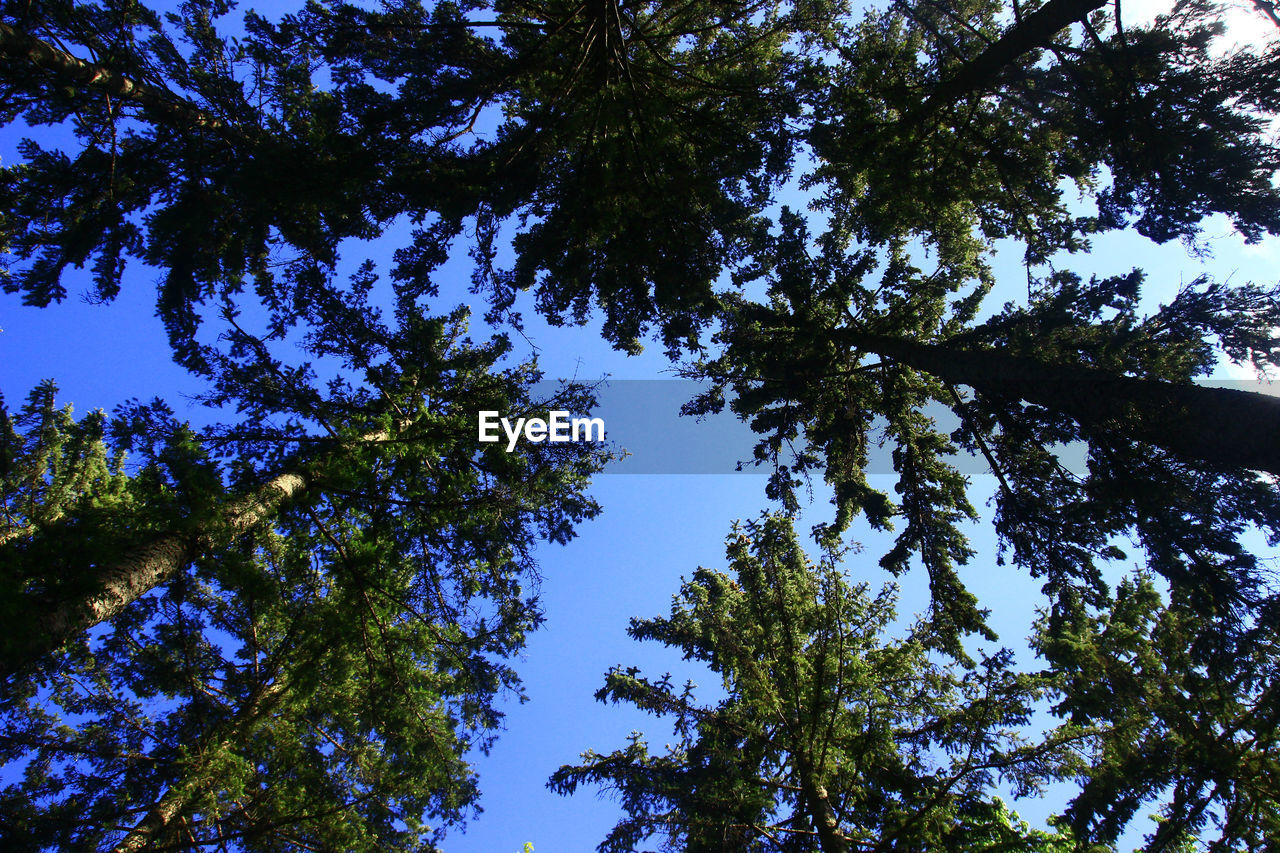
[[805, 367], [638, 147], [181, 131], [409, 549], [320, 674], [209, 158], [312, 672], [414, 448], [634, 153], [1036, 30], [53, 465], [832, 736], [1089, 369], [941, 123], [659, 134], [324, 701], [1184, 719], [67, 501]]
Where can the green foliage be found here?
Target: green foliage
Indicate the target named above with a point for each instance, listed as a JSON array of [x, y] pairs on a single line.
[[631, 151], [856, 350], [1145, 120], [647, 136], [1184, 716], [289, 714], [53, 466], [658, 134], [831, 736], [70, 505], [347, 642], [320, 673]]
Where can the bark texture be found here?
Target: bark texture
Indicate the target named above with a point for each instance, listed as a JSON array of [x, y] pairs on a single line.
[[117, 585]]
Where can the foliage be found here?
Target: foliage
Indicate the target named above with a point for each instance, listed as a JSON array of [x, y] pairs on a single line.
[[318, 676], [54, 466], [804, 368], [630, 155], [286, 715], [630, 149], [1186, 719], [650, 136], [70, 504], [1138, 118], [831, 736]]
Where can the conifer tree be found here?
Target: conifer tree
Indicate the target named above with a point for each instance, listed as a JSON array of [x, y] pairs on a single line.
[[649, 136], [1183, 718], [413, 449], [840, 344], [314, 670], [326, 700], [631, 152], [832, 736]]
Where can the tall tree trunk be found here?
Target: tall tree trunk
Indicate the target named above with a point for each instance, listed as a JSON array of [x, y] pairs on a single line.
[[195, 778], [117, 585], [1218, 427], [1033, 31], [19, 47], [818, 807]]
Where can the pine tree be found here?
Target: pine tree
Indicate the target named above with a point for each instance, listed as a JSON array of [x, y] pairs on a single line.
[[846, 340], [415, 448], [325, 700], [53, 465], [634, 152], [312, 671], [1183, 719], [832, 736], [649, 137]]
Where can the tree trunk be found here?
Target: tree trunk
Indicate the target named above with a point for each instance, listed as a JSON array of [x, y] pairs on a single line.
[[20, 47], [1033, 31], [195, 778], [818, 808], [1215, 427], [1268, 8], [116, 586]]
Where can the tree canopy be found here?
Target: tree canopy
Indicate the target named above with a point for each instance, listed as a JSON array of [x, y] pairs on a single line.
[[265, 635], [285, 627], [839, 731], [831, 737]]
